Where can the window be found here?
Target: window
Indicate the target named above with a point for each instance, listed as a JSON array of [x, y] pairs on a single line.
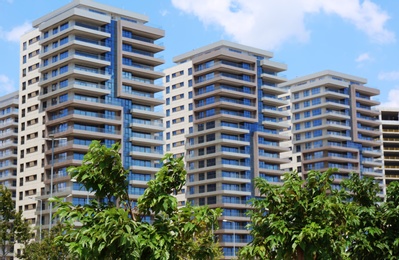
[[306, 103], [296, 106], [63, 69], [167, 112], [315, 91], [64, 40], [306, 114], [190, 106], [316, 112], [167, 124], [308, 135], [317, 122], [296, 95], [298, 137], [190, 94], [168, 101], [190, 118], [63, 26], [306, 93], [297, 126], [317, 133], [55, 30], [167, 78], [307, 124], [190, 82], [24, 59], [167, 136], [167, 90], [316, 101], [190, 71], [297, 116]]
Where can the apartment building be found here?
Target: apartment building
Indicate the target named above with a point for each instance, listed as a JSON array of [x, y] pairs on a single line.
[[335, 124], [390, 143], [178, 96], [9, 142], [224, 98], [88, 72]]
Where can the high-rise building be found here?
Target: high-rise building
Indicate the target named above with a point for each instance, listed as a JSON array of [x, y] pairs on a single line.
[[390, 143], [224, 98], [87, 73], [335, 124], [178, 96], [9, 142]]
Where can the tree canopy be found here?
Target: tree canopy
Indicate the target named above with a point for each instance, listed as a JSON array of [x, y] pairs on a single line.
[[13, 228], [113, 227], [308, 219]]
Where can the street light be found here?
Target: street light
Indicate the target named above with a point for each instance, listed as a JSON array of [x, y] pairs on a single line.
[[51, 137], [234, 235], [41, 211]]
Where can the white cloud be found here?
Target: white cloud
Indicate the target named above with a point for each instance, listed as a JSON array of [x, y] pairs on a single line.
[[164, 12], [393, 98], [269, 23], [363, 58], [6, 85], [15, 33], [390, 75]]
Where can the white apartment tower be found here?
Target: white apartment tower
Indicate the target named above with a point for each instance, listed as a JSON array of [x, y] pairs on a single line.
[[335, 124], [88, 72], [224, 97]]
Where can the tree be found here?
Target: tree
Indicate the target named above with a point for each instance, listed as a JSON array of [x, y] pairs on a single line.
[[47, 248], [301, 219], [365, 230], [111, 228], [13, 228]]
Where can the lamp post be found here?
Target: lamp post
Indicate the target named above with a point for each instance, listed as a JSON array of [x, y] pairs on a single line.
[[41, 211], [234, 235]]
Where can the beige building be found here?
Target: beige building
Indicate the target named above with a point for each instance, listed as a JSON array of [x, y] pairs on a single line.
[[390, 143], [88, 72], [178, 93], [232, 121], [335, 124]]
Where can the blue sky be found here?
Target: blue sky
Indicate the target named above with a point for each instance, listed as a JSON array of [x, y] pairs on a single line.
[[358, 37]]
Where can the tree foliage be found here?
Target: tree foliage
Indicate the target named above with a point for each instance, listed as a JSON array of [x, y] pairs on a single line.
[[47, 248], [111, 228], [297, 220], [307, 219], [13, 228]]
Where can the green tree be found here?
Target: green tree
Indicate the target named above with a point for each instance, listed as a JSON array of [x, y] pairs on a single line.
[[365, 230], [46, 248], [300, 219], [111, 228], [13, 228]]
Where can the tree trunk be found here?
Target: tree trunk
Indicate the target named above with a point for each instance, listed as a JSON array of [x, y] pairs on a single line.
[[300, 254]]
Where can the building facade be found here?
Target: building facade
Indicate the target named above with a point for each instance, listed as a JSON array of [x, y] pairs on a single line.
[[390, 143], [231, 112], [9, 142], [335, 124], [88, 72]]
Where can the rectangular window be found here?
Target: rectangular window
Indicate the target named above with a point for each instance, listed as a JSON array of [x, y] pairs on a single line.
[[167, 89], [63, 69], [64, 26], [306, 93], [315, 91], [190, 71], [64, 40], [190, 94]]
